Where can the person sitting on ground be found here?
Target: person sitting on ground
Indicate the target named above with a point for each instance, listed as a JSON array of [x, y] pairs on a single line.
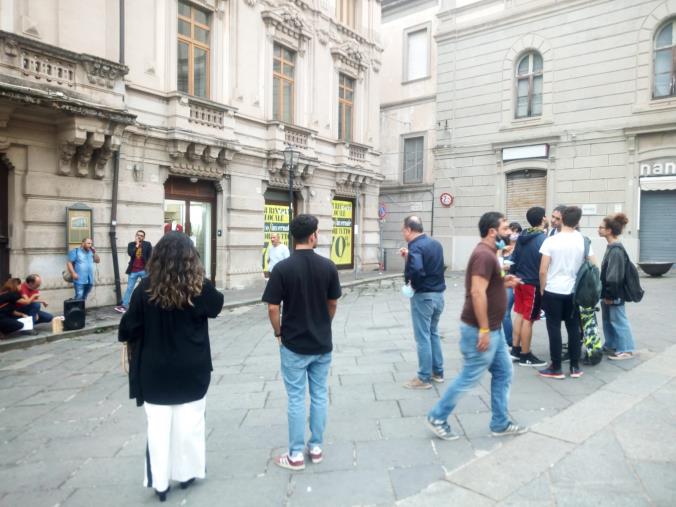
[[10, 295], [30, 290]]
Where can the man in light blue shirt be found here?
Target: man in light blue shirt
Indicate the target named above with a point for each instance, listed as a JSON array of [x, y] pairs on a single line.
[[277, 252], [81, 262]]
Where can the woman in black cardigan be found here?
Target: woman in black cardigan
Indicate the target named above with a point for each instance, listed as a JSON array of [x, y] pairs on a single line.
[[167, 333]]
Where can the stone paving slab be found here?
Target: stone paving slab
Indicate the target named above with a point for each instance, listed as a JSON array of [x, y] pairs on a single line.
[[66, 422]]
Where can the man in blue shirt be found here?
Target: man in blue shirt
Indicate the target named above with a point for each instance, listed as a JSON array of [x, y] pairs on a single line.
[[81, 262], [424, 274]]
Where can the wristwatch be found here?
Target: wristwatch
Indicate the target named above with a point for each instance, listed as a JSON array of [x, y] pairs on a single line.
[[278, 335]]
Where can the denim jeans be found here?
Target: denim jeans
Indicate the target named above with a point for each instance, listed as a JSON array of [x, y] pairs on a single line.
[[38, 315], [616, 328], [296, 369], [426, 308], [131, 285], [507, 319], [82, 290], [496, 360]]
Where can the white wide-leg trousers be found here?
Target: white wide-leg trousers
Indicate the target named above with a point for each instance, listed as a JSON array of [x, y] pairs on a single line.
[[176, 443]]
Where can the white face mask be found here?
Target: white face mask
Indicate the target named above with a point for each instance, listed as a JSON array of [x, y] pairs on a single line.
[[407, 291]]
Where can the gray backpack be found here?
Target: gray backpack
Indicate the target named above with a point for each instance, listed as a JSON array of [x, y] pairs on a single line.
[[587, 290]]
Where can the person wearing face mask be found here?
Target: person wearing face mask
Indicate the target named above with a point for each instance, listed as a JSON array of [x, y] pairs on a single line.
[[424, 276], [506, 259], [482, 340]]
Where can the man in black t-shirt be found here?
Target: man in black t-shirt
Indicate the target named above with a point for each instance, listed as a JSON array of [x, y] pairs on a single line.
[[307, 286]]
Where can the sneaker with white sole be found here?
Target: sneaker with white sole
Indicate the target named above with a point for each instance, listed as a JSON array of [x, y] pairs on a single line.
[[551, 372], [290, 463], [511, 429], [439, 379], [120, 309], [620, 356], [441, 429], [530, 359], [418, 384], [315, 453]]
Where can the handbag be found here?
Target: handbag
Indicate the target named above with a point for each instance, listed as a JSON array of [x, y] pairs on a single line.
[[67, 277]]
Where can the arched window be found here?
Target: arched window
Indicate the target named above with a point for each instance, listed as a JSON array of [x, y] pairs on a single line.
[[529, 85], [665, 61]]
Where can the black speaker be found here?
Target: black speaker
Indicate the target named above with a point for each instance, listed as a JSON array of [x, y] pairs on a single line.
[[74, 314]]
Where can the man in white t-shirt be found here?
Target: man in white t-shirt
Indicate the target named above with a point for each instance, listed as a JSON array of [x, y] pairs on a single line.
[[277, 252], [562, 256]]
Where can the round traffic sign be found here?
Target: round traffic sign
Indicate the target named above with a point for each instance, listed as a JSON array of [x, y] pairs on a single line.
[[446, 199]]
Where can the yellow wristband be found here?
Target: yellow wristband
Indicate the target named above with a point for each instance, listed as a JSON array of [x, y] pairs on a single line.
[[483, 330]]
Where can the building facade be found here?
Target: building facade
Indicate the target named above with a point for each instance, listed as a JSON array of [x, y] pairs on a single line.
[[175, 116], [407, 119], [544, 102]]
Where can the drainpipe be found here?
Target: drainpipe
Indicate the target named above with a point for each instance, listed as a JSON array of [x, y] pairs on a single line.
[[116, 178]]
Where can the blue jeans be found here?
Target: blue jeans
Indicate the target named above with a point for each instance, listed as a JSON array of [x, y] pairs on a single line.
[[507, 319], [616, 328], [38, 315], [496, 360], [131, 285], [426, 308], [296, 369], [82, 290]]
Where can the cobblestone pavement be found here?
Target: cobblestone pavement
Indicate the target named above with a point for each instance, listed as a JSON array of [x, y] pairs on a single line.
[[70, 436]]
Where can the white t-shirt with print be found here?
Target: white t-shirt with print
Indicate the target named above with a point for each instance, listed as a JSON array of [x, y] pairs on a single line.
[[566, 250]]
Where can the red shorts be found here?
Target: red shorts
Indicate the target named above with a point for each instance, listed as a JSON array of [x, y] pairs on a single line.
[[527, 302]]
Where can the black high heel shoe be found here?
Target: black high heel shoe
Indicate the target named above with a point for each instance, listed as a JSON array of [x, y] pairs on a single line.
[[162, 495], [186, 484]]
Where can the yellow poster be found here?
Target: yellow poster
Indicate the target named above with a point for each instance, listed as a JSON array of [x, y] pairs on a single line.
[[276, 220], [343, 233]]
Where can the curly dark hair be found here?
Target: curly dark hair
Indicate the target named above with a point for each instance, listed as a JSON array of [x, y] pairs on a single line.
[[175, 272]]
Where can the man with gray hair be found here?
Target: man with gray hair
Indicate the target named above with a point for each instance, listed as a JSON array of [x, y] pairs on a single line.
[[425, 285]]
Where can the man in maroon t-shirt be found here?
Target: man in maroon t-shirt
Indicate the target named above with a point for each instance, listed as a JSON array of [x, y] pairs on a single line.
[[30, 290], [139, 252], [482, 340]]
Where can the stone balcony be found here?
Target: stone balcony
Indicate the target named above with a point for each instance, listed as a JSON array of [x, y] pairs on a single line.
[[353, 155], [201, 116], [281, 135], [30, 65]]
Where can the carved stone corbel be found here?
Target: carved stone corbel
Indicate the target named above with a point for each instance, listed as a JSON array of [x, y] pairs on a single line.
[[102, 158]]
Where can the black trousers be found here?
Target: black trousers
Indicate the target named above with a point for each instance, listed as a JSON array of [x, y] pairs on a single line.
[[558, 308], [9, 324]]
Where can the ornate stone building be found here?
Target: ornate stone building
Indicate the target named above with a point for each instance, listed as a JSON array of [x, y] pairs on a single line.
[[188, 132]]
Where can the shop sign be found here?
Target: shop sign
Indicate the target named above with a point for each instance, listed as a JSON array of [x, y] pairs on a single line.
[[276, 220], [342, 233], [658, 167]]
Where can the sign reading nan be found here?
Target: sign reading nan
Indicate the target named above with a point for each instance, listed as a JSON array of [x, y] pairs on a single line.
[[660, 167]]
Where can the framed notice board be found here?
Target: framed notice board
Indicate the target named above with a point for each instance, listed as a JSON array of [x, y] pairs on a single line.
[[79, 225]]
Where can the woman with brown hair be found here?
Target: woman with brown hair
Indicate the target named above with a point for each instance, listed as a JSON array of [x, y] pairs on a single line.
[[10, 295], [619, 340], [167, 331]]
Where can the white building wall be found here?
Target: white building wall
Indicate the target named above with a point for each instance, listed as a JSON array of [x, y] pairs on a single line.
[[596, 103]]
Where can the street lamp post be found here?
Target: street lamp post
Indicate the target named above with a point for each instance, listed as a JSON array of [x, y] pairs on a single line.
[[291, 157]]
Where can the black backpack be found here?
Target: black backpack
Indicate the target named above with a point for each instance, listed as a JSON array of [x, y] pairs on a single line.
[[632, 286], [587, 290]]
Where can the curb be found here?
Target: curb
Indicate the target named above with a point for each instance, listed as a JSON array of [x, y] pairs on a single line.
[[30, 341]]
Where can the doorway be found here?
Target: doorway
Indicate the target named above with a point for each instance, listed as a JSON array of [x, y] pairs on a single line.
[[190, 207], [4, 222]]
